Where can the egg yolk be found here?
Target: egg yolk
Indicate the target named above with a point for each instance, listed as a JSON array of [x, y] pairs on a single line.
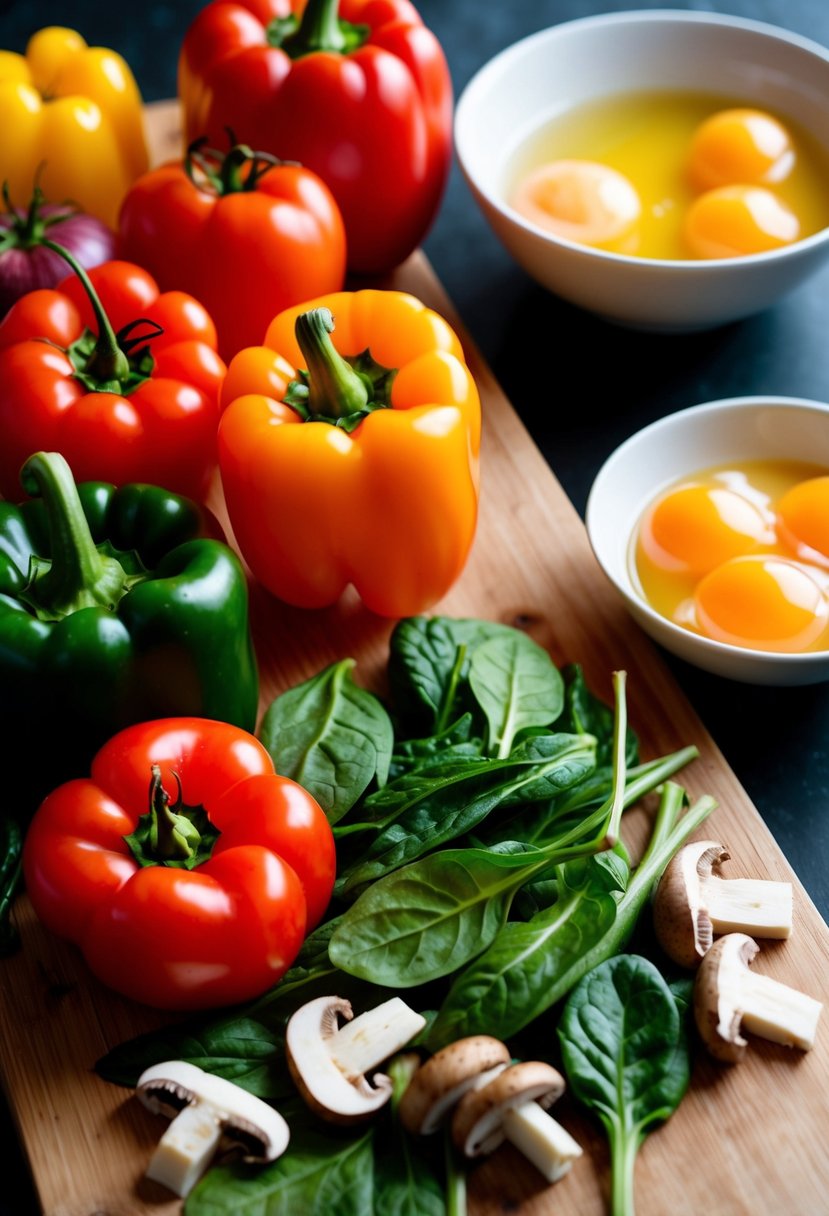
[[736, 220], [767, 603], [804, 515], [696, 527], [740, 146], [581, 201]]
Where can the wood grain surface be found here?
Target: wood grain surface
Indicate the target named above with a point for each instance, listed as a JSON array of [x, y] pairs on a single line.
[[746, 1140]]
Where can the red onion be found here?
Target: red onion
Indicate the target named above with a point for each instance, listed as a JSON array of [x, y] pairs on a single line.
[[25, 265]]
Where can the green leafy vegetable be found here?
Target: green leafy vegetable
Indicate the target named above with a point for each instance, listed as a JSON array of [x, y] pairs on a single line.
[[331, 736], [626, 1056], [516, 685]]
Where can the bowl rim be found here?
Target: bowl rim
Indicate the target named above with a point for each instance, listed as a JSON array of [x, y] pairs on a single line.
[[665, 16], [664, 626]]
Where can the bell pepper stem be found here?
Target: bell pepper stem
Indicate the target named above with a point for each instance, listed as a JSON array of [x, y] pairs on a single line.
[[77, 574], [319, 29], [173, 837], [107, 361], [334, 388]]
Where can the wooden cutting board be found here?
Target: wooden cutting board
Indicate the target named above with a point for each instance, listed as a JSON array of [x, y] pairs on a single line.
[[747, 1141]]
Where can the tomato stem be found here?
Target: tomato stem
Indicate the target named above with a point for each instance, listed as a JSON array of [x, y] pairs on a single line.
[[107, 363], [28, 227], [334, 388], [77, 575]]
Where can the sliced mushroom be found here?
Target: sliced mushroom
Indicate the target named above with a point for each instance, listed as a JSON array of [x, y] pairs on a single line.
[[330, 1063], [443, 1080], [205, 1109], [692, 904], [513, 1106], [728, 996]]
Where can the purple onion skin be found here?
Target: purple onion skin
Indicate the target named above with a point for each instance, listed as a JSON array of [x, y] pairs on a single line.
[[23, 270]]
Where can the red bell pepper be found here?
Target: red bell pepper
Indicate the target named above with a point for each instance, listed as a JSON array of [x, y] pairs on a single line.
[[243, 232], [198, 902], [361, 95], [123, 383]]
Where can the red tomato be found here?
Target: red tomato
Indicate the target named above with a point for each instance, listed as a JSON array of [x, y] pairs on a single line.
[[213, 929]]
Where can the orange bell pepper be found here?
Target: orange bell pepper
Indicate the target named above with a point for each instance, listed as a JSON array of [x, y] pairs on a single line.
[[361, 469]]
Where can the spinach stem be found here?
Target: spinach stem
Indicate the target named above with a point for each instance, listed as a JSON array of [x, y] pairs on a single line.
[[624, 1145], [455, 1181]]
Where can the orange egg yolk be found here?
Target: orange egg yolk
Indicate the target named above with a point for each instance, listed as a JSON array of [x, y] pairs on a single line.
[[766, 603], [740, 146], [581, 201], [696, 527], [804, 516], [732, 221]]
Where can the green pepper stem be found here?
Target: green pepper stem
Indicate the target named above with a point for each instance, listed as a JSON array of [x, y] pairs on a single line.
[[77, 575], [173, 837], [107, 361], [319, 29], [334, 388]]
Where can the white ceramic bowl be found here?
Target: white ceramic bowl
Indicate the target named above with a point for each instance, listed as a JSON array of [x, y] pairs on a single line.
[[738, 428], [543, 76]]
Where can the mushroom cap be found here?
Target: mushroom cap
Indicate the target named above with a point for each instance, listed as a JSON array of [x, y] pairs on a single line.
[[477, 1125], [445, 1078], [717, 1010], [680, 915], [245, 1119]]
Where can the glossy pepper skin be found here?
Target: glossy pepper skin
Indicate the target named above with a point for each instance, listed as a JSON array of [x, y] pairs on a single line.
[[359, 92], [384, 498], [243, 233], [75, 110], [114, 608], [195, 895], [152, 418]]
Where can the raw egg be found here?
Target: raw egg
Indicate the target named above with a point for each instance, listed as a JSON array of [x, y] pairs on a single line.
[[740, 146], [581, 201], [696, 527], [732, 221], [766, 603], [804, 517]]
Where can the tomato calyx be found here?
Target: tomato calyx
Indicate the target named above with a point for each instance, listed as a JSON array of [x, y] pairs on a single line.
[[339, 390], [237, 171], [108, 362], [28, 228], [79, 574], [171, 833], [320, 29]]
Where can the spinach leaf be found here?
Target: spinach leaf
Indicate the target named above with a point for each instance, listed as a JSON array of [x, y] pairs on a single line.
[[331, 736], [626, 1057], [406, 1182], [428, 667], [437, 803], [321, 1174], [530, 965], [431, 917], [517, 686], [456, 740]]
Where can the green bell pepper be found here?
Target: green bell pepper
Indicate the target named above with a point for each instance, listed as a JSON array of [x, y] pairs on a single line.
[[114, 609]]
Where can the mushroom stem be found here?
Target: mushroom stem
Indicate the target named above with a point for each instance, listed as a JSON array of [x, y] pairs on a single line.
[[749, 905], [360, 1045], [777, 1012], [542, 1140], [186, 1148]]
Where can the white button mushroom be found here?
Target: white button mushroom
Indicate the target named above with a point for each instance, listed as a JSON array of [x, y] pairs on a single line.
[[205, 1109], [728, 996], [330, 1063], [513, 1106], [692, 904]]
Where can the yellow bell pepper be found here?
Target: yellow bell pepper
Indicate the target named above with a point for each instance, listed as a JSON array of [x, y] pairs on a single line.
[[72, 113]]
